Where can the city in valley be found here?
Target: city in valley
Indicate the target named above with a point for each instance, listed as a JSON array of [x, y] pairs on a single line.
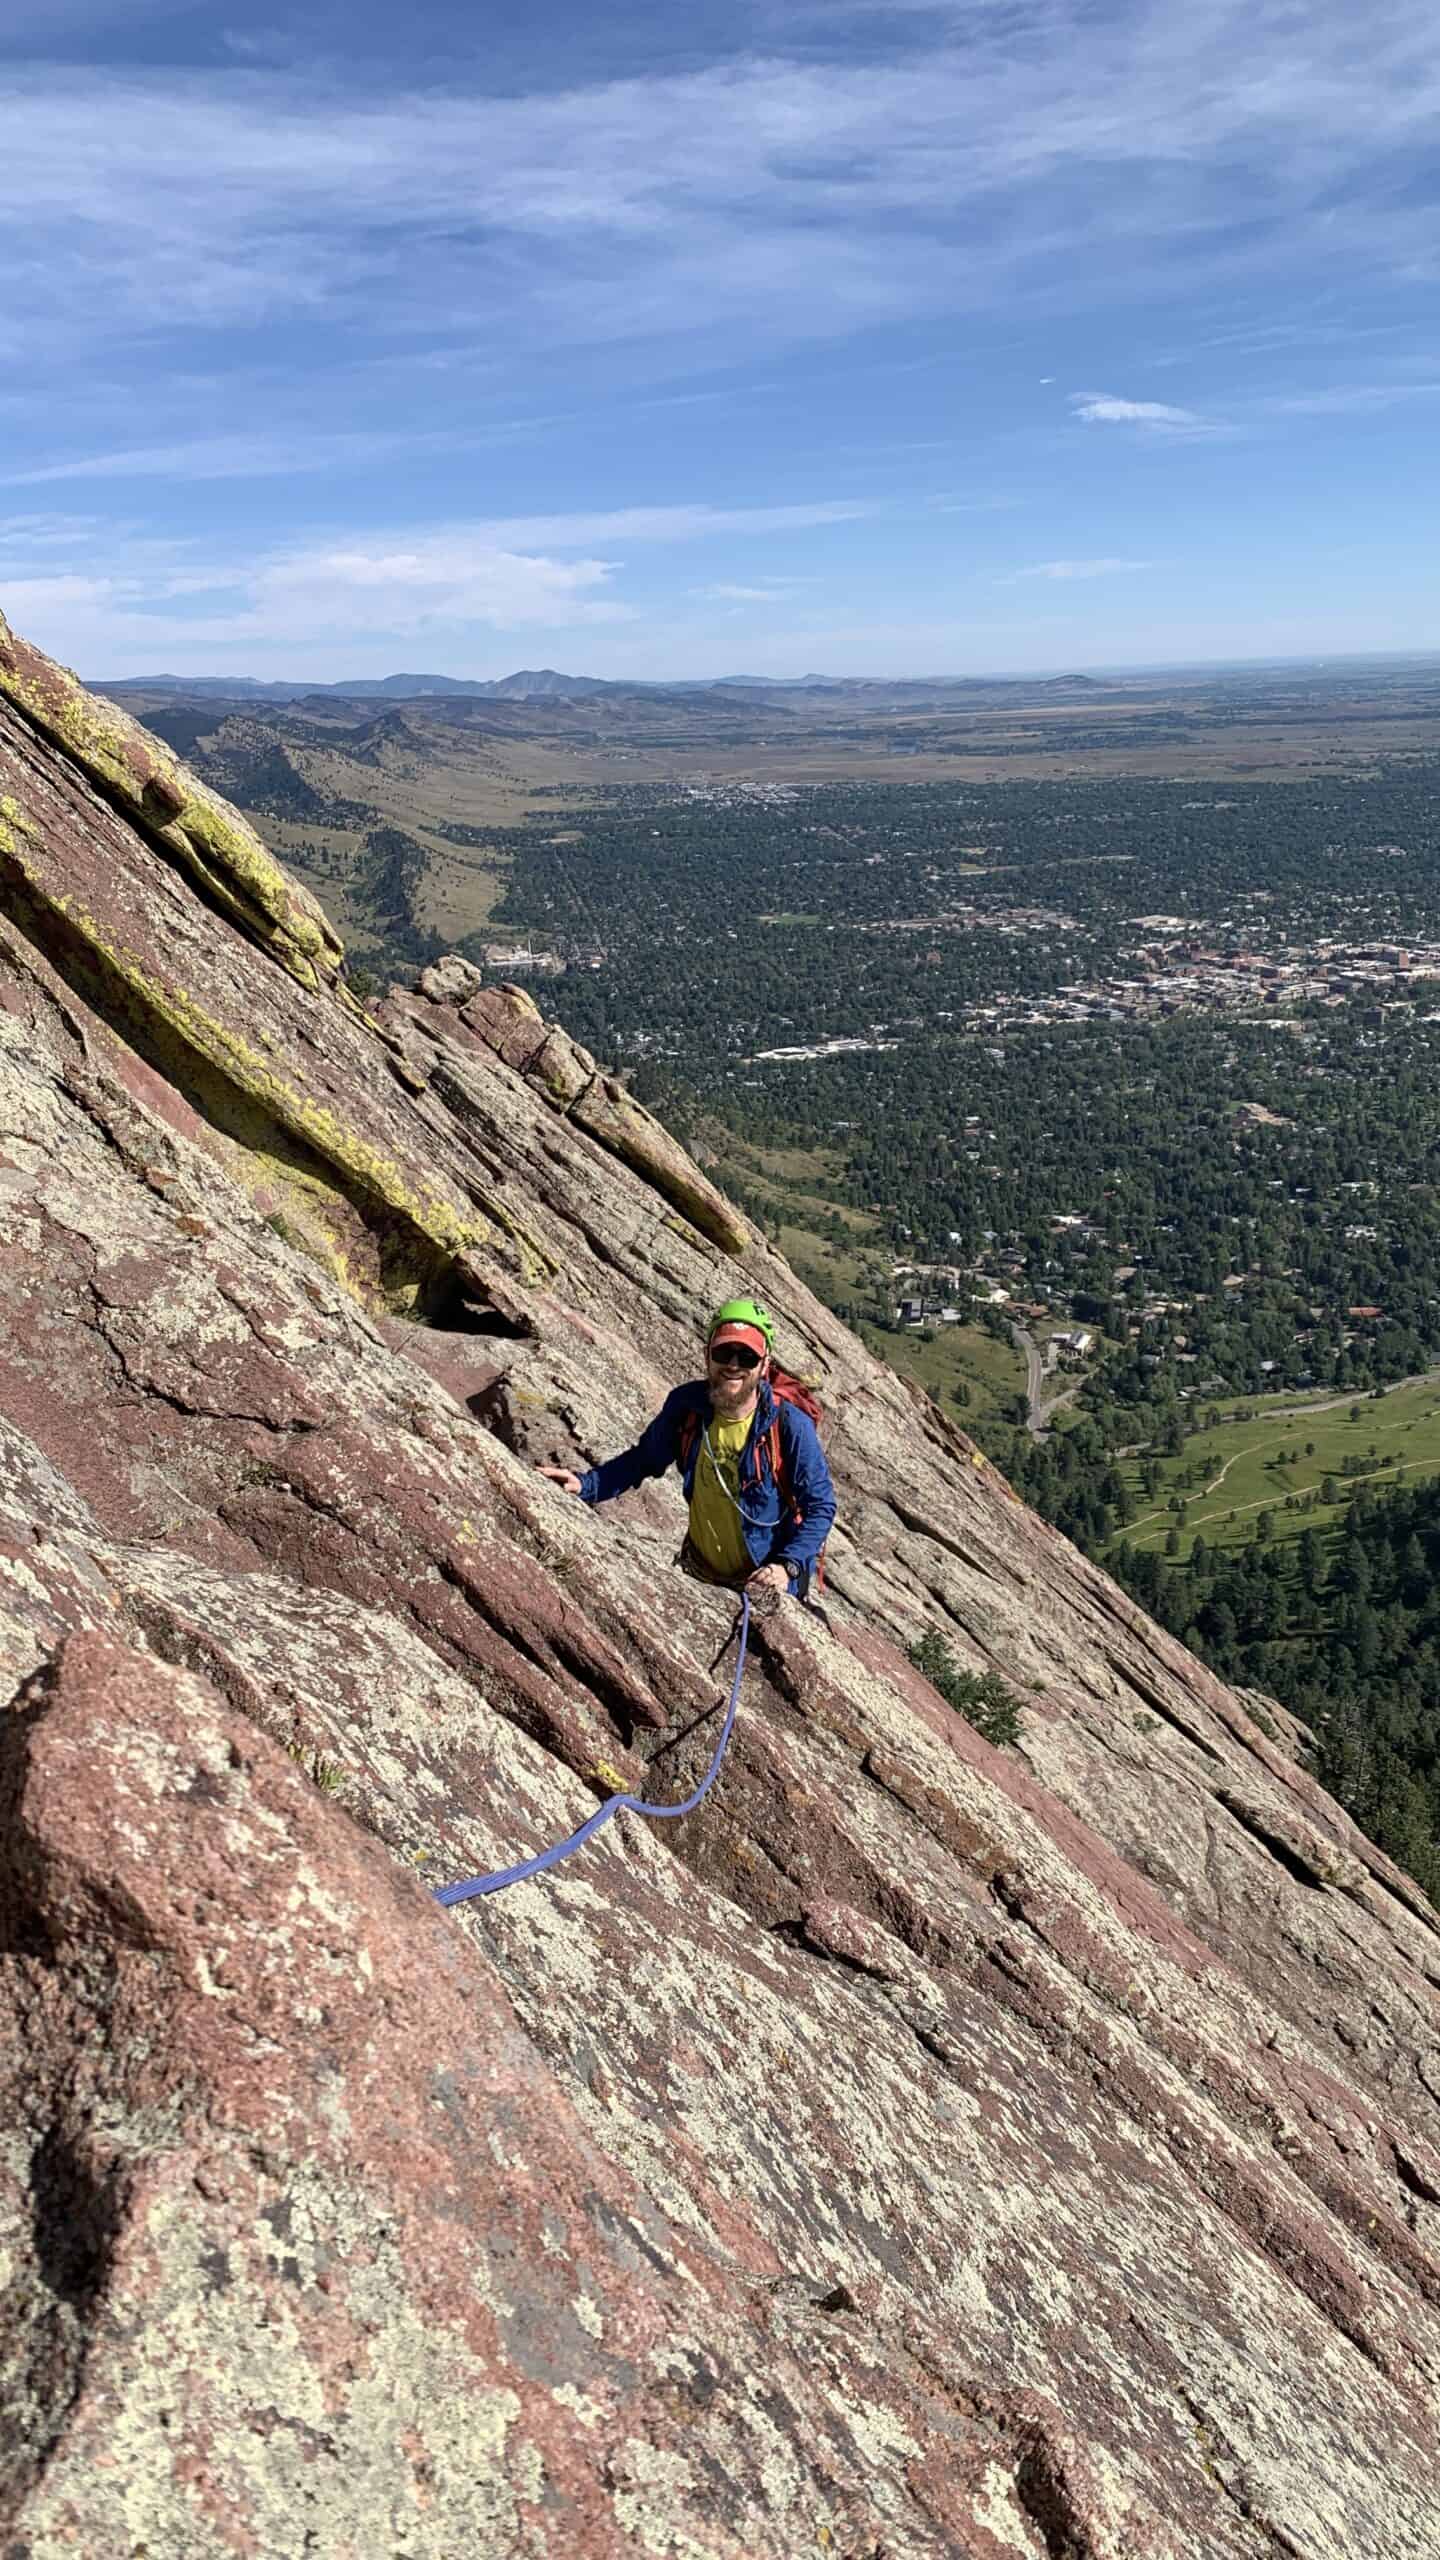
[[1169, 975]]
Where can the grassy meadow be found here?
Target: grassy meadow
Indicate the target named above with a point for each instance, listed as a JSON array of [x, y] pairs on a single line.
[[1272, 1447]]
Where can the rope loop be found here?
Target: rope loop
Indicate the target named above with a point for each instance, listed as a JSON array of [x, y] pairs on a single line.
[[527, 1867]]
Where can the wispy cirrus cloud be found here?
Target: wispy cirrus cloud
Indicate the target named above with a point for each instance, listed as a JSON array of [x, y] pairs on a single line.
[[466, 274], [1062, 571], [945, 504], [271, 454], [1333, 400], [1048, 140], [726, 594], [680, 524], [1349, 399], [46, 532]]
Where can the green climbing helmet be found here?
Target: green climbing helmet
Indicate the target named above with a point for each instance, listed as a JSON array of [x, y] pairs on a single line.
[[742, 1311]]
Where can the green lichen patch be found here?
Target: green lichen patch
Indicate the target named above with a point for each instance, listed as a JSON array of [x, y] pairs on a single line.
[[386, 1243], [13, 822], [217, 845]]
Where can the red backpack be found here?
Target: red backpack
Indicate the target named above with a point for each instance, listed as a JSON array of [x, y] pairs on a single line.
[[786, 1388]]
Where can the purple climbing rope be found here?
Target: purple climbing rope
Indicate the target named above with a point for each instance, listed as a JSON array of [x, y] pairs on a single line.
[[504, 1876]]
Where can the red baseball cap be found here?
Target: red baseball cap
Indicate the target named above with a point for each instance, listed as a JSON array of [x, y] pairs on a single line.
[[749, 1334]]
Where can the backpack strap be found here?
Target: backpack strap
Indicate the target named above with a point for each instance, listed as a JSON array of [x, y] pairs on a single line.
[[780, 1471], [686, 1438], [772, 1459], [766, 1453]]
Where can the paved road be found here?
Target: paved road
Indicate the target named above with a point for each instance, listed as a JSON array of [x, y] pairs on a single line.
[[1062, 1396], [1041, 1407], [1034, 1375]]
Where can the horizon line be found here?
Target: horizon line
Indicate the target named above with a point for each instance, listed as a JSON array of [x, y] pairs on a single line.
[[670, 684]]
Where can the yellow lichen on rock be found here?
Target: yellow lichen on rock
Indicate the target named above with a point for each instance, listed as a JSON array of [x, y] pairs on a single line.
[[169, 1021], [369, 1172], [216, 845], [13, 822]]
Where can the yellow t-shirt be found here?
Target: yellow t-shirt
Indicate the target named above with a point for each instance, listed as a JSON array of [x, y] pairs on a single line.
[[715, 1530]]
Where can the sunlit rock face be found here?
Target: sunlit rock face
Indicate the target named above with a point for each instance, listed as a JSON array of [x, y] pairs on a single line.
[[923, 2149]]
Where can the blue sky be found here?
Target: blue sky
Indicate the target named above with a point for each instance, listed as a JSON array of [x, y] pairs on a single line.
[[687, 339]]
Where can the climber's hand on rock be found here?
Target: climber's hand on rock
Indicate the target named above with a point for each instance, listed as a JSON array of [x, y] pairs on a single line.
[[769, 1577], [565, 1477]]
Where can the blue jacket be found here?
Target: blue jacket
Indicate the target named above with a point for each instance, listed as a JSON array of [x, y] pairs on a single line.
[[773, 1535]]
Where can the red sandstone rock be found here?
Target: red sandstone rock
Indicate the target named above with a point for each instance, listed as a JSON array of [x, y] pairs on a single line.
[[922, 2150]]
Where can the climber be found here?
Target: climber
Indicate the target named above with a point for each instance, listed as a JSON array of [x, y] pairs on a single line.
[[744, 1438]]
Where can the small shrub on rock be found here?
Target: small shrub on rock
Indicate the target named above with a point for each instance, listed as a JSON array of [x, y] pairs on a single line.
[[982, 1697]]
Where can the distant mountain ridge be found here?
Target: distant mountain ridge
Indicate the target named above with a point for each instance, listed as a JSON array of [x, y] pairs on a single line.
[[531, 683], [526, 681]]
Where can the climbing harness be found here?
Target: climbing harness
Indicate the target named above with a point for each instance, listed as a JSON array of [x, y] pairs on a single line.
[[657, 1812]]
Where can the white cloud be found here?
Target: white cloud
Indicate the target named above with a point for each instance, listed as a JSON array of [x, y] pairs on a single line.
[[309, 610], [1064, 569], [1158, 417], [502, 573], [1102, 408], [31, 602], [366, 596], [405, 593]]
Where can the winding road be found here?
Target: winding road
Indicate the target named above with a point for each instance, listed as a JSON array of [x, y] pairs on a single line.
[[1041, 1407]]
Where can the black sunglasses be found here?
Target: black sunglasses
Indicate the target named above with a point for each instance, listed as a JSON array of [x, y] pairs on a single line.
[[735, 1355]]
